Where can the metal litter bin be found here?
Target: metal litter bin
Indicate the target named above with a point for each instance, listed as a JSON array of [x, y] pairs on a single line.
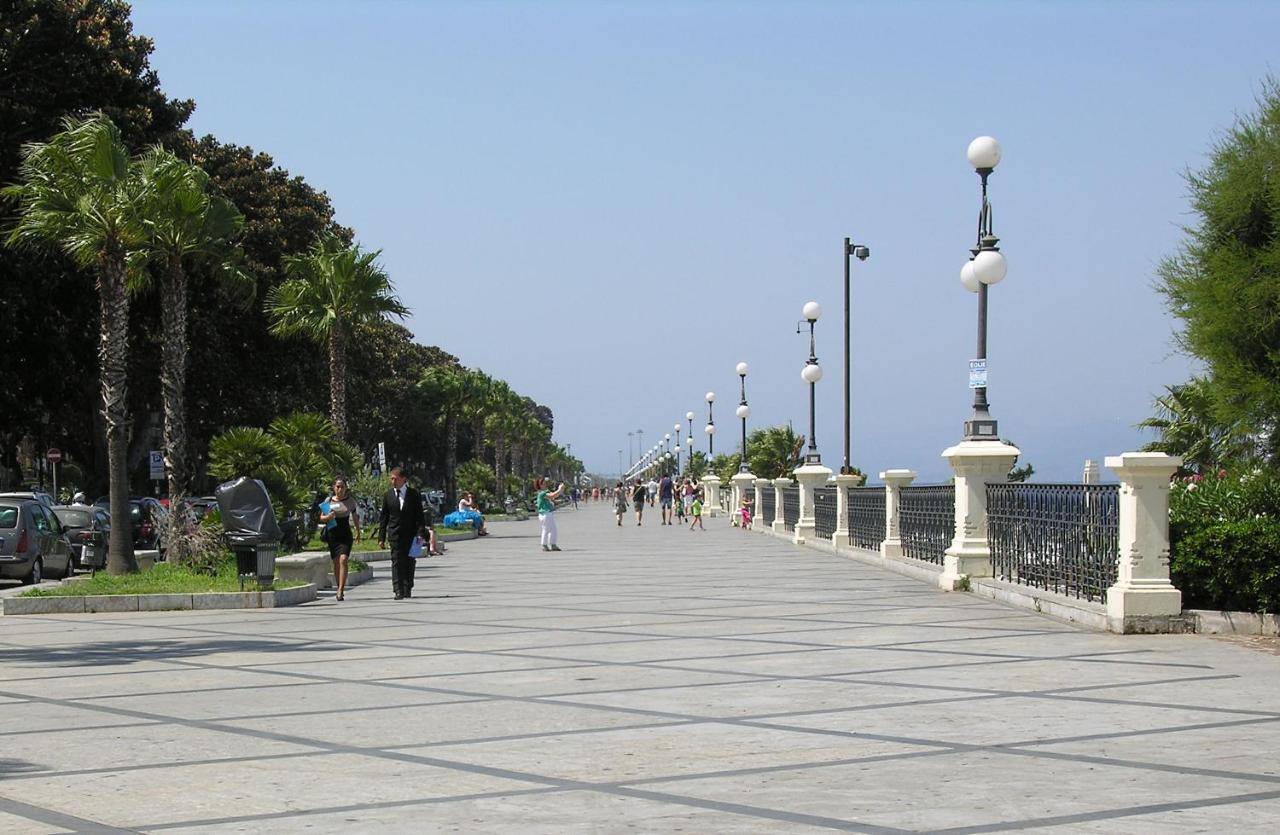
[[252, 532]]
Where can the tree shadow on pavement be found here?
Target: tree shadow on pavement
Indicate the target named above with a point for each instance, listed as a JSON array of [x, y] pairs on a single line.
[[128, 652]]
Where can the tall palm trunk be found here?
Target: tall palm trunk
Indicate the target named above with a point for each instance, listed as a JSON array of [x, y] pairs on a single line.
[[477, 447], [173, 378], [451, 457], [113, 360], [338, 381], [500, 465]]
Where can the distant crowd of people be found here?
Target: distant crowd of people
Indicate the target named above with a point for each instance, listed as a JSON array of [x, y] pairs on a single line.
[[676, 499]]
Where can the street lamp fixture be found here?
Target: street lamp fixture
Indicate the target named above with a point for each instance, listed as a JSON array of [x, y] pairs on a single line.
[[811, 374], [710, 428], [862, 253], [985, 267], [743, 412], [678, 428]]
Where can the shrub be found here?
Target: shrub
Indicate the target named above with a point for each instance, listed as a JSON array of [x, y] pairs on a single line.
[[1230, 566], [1224, 532]]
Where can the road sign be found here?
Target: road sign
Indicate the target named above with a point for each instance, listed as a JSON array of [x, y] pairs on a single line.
[[977, 374], [157, 465], [54, 455], [382, 456]]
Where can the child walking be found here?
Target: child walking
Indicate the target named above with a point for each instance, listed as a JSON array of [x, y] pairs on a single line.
[[745, 512], [695, 510]]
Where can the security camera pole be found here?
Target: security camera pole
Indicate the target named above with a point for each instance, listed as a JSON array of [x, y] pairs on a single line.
[[862, 253]]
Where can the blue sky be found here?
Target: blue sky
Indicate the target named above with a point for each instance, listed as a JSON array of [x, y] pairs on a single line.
[[609, 204]]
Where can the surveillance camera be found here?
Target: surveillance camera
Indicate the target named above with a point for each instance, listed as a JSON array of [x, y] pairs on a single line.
[[862, 253]]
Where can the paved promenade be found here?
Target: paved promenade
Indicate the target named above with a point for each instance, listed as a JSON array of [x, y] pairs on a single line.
[[644, 679]]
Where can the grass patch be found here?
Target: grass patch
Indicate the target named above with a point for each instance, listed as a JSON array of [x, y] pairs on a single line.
[[364, 546], [163, 579]]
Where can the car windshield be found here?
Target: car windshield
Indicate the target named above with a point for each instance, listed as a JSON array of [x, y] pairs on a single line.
[[8, 516], [74, 518]]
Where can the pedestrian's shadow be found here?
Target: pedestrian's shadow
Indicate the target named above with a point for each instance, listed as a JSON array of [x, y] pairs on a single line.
[[128, 652]]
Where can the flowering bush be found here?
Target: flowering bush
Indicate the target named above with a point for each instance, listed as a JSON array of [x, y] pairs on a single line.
[[1224, 532]]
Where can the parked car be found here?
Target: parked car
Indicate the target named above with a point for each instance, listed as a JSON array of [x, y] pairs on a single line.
[[32, 542], [149, 519], [88, 528], [44, 498]]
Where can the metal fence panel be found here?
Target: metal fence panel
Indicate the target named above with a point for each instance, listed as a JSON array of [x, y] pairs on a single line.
[[767, 502], [790, 508], [866, 517], [824, 512], [927, 521], [1058, 537]]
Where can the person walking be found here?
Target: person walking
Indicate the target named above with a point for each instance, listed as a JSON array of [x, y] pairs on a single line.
[[547, 513], [665, 493], [695, 508], [638, 494], [619, 502], [652, 490], [342, 515], [745, 512], [399, 525]]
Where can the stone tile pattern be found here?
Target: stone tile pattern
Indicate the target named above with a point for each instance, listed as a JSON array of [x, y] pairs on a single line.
[[651, 679]]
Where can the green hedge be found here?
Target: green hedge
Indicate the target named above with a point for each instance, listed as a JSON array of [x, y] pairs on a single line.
[[1230, 566]]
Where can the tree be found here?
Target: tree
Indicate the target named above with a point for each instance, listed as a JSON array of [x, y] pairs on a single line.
[[185, 223], [774, 451], [59, 58], [1188, 428], [81, 193], [1224, 283], [697, 466], [331, 289], [445, 386]]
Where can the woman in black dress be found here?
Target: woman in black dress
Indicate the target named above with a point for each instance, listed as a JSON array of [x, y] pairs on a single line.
[[344, 516]]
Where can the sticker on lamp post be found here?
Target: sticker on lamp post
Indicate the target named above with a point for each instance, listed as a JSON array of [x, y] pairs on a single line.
[[977, 374]]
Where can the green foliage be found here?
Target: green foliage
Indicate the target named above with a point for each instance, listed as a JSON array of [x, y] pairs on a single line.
[[295, 457], [1188, 426], [366, 485], [1230, 566], [697, 464], [1225, 540], [774, 451], [725, 466], [164, 578], [1224, 283], [476, 477]]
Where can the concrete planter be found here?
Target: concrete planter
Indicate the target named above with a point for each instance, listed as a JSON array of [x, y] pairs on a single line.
[[92, 604], [1207, 622]]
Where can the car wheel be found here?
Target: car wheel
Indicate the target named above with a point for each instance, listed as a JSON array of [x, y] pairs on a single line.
[[36, 575]]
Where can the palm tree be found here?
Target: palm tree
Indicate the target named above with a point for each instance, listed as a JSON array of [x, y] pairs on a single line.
[[477, 404], [503, 407], [81, 193], [328, 291], [1189, 428], [185, 224], [774, 451], [445, 385]]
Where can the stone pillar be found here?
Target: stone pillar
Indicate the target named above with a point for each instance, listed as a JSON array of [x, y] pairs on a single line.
[[761, 484], [1143, 599], [975, 464], [711, 495], [743, 483], [843, 484], [894, 481], [779, 524], [810, 476]]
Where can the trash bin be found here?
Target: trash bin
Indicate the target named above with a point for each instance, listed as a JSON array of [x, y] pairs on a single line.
[[251, 529]]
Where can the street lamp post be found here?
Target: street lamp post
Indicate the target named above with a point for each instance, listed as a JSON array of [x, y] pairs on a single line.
[[862, 253], [811, 374], [711, 427], [743, 412], [666, 451], [678, 428], [985, 267]]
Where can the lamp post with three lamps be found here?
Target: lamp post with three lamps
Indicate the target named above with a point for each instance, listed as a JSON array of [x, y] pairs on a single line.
[[811, 374]]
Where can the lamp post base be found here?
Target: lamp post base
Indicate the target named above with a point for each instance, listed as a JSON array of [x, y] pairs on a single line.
[[981, 429]]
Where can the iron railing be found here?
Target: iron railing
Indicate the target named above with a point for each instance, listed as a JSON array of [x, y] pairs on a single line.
[[790, 508], [1063, 538], [866, 517], [824, 512], [766, 508], [927, 521]]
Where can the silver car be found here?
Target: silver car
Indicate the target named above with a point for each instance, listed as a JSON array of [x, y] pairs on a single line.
[[32, 542], [88, 529]]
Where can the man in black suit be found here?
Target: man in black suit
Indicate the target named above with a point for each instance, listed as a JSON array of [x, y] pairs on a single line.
[[401, 521]]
